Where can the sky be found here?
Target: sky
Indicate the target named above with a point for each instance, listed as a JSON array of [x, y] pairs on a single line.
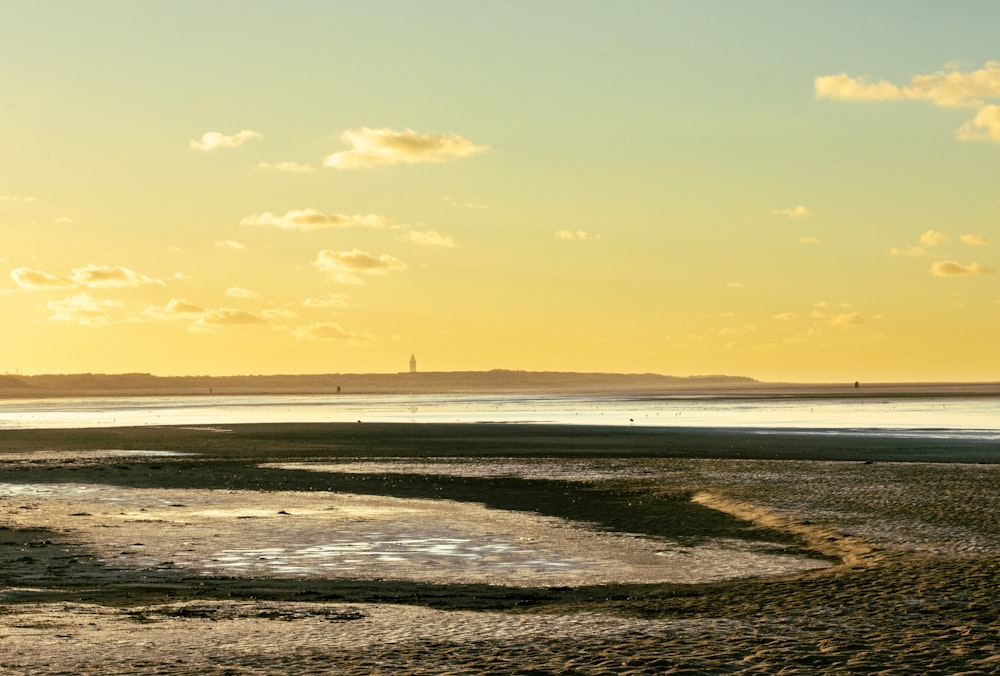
[[784, 190]]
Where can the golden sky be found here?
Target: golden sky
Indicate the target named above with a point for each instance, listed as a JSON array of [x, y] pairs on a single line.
[[782, 190]]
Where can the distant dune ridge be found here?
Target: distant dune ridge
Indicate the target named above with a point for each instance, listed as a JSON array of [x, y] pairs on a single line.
[[498, 381], [374, 383]]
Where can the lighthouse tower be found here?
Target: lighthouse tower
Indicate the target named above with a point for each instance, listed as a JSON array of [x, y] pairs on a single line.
[[413, 363]]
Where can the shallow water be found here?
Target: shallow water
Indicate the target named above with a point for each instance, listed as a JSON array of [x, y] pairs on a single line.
[[946, 417]]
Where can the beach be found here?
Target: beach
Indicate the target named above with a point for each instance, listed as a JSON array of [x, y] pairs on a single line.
[[490, 548]]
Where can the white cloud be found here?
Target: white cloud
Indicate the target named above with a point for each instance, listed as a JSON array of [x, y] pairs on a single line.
[[236, 292], [954, 269], [82, 309], [311, 219], [213, 140], [810, 240], [290, 167], [230, 244], [346, 264], [977, 240], [89, 276], [17, 198], [784, 316], [734, 285], [428, 238], [798, 211], [908, 251], [386, 147], [985, 126], [62, 220], [576, 235]]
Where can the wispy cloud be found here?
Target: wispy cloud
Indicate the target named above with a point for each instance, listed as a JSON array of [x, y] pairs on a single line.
[[927, 240], [345, 266], [311, 219], [175, 309], [289, 167], [949, 88], [229, 317], [33, 280], [82, 309], [387, 147], [200, 319], [17, 198], [230, 244], [106, 277], [213, 140], [330, 301], [328, 331], [955, 269], [428, 238], [278, 313], [89, 276], [798, 211], [576, 236], [845, 319], [976, 240], [466, 204], [933, 238], [810, 240], [237, 292]]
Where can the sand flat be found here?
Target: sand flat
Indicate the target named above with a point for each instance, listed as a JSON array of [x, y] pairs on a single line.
[[911, 548]]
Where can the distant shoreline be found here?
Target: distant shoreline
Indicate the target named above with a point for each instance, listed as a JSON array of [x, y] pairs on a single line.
[[464, 382]]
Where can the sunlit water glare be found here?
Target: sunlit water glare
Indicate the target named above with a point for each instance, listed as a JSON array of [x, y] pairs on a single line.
[[971, 417]]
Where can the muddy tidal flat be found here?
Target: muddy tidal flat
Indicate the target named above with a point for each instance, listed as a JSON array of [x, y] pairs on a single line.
[[468, 549]]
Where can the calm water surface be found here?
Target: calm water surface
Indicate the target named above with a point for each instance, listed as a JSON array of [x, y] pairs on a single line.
[[974, 417]]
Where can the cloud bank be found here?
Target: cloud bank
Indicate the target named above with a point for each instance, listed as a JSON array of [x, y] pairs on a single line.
[[948, 88]]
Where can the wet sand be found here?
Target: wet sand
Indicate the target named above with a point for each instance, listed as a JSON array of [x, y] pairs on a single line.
[[468, 549]]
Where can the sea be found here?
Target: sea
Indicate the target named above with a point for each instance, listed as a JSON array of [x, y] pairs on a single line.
[[925, 416]]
